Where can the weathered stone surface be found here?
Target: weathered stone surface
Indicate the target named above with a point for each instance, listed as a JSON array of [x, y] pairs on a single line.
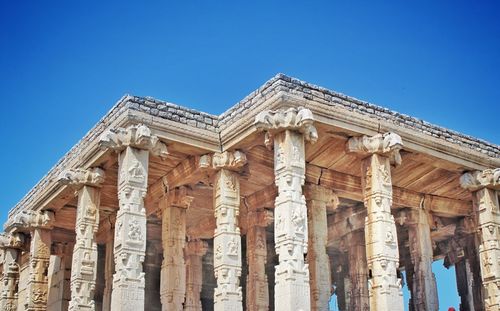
[[195, 250]]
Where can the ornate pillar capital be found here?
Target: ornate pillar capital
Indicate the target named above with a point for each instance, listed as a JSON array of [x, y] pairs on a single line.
[[231, 160], [138, 136], [298, 119], [387, 144], [476, 180], [11, 240], [80, 177], [29, 220]]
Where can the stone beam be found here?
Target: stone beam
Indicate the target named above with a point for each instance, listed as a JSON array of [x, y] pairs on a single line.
[[484, 186], [289, 129], [382, 252]]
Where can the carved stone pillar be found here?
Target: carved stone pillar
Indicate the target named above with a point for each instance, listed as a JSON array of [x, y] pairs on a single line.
[[380, 230], [194, 274], [227, 239], [484, 186], [289, 129], [319, 263], [84, 266], [358, 272], [10, 244], [173, 274], [133, 145], [257, 287], [37, 285], [109, 267], [423, 291]]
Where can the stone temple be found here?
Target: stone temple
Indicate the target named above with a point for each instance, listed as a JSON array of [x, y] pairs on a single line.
[[294, 195]]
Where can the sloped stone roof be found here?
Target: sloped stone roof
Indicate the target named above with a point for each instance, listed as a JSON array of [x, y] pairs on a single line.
[[279, 83]]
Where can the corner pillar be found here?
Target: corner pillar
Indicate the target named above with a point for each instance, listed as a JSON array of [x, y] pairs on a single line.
[[317, 199], [484, 186], [380, 229], [133, 145], [290, 129]]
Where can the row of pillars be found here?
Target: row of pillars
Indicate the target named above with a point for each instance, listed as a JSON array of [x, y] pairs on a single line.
[[297, 230]]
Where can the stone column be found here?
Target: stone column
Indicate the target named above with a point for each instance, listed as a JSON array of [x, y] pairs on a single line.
[[227, 239], [84, 265], [289, 129], [424, 291], [380, 230], [358, 272], [10, 245], [317, 199], [37, 285], [484, 186], [133, 145], [173, 274], [257, 295], [195, 250], [109, 267]]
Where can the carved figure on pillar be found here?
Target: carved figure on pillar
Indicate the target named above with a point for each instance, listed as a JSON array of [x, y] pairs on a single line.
[[227, 239], [289, 129], [173, 272], [10, 244], [195, 250], [318, 198], [84, 265], [485, 186], [133, 145], [257, 291], [380, 230]]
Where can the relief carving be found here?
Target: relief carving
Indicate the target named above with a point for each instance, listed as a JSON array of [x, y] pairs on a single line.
[[388, 144]]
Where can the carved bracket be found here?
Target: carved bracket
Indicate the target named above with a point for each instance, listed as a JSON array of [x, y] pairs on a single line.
[[489, 178], [25, 220], [80, 177], [299, 119], [11, 240], [388, 144], [137, 136], [228, 159]]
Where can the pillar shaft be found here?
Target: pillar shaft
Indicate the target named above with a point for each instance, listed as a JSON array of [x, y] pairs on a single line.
[[37, 287], [109, 267], [84, 265], [130, 231], [423, 290], [194, 274], [489, 249], [257, 286], [317, 258], [227, 242], [173, 271], [10, 280], [292, 291], [358, 272], [380, 235]]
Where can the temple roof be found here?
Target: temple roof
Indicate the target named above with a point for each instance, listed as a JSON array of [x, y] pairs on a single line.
[[279, 85]]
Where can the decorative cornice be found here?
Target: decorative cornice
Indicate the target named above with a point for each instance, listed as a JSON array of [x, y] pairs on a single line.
[[387, 144], [82, 177], [137, 136], [489, 178], [299, 119], [227, 159], [11, 240], [27, 220]]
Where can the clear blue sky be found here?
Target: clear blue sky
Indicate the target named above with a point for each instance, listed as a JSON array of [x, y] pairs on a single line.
[[63, 65]]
